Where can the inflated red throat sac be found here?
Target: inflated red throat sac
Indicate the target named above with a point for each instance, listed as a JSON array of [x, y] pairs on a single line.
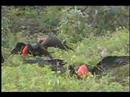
[[25, 51], [83, 71]]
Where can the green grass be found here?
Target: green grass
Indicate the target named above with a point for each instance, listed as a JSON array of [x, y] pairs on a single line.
[[18, 76], [34, 78]]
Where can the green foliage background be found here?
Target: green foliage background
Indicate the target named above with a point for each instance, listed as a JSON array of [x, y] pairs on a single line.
[[85, 28]]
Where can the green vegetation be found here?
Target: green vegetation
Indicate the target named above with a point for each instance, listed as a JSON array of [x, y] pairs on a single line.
[[84, 31]]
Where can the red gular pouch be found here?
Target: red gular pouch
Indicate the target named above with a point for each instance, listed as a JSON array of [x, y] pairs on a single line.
[[25, 51], [83, 71]]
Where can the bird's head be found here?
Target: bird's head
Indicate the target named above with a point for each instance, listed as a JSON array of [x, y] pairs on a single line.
[[18, 47]]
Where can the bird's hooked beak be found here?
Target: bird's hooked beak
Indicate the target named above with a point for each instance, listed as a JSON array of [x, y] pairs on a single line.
[[14, 51], [64, 42]]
